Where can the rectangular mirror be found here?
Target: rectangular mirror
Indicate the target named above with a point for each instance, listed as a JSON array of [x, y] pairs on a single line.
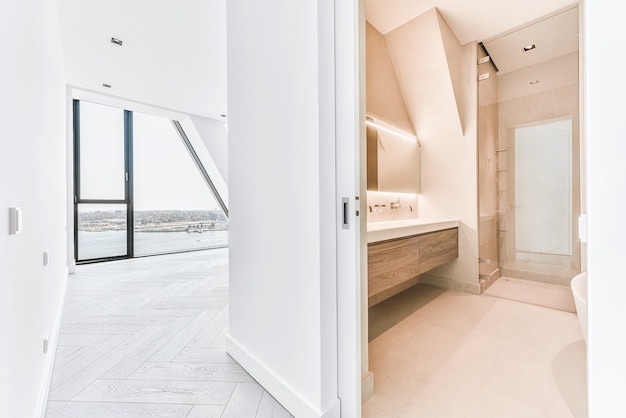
[[393, 159]]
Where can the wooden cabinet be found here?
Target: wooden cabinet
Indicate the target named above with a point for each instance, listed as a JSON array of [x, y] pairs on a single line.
[[395, 265]]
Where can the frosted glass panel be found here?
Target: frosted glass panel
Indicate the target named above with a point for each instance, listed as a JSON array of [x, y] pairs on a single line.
[[543, 188], [102, 174]]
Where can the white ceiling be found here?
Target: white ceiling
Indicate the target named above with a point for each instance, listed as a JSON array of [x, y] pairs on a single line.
[[511, 25], [174, 52]]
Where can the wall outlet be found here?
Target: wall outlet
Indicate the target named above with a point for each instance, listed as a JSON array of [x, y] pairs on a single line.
[[482, 77]]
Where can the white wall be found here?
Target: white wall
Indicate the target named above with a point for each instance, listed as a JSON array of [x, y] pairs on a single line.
[[214, 135], [32, 173], [605, 87], [283, 315]]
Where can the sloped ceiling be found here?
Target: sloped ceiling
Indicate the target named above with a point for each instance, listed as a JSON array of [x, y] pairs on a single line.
[[470, 20], [508, 23], [553, 36], [173, 53], [432, 88]]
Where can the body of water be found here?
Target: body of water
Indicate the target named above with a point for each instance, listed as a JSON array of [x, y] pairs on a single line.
[[113, 243]]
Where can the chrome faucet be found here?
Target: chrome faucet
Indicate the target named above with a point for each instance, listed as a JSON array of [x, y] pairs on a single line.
[[396, 204]]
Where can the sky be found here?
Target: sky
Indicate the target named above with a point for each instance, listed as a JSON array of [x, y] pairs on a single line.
[[165, 176]]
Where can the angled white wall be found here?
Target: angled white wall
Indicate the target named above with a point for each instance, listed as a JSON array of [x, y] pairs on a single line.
[[428, 60], [383, 97], [32, 173], [214, 135]]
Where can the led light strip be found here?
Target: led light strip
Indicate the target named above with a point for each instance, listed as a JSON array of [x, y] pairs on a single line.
[[390, 129]]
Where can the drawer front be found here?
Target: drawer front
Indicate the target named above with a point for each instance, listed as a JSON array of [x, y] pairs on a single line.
[[391, 263], [395, 265], [437, 248]]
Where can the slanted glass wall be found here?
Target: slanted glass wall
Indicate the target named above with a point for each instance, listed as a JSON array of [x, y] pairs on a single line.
[[138, 191], [174, 208]]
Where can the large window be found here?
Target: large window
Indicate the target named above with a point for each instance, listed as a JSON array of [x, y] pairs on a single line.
[[174, 208], [138, 188]]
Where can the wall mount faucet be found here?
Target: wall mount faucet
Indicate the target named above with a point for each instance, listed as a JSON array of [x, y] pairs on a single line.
[[376, 207], [396, 204]]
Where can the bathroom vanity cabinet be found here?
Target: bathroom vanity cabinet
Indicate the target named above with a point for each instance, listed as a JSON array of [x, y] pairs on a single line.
[[395, 264]]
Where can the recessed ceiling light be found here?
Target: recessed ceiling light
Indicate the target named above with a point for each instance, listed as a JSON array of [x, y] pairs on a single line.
[[529, 47]]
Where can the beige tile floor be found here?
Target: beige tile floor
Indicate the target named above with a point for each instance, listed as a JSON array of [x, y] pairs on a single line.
[[463, 355], [533, 292]]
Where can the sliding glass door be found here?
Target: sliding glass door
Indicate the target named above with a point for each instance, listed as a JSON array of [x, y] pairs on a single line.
[[102, 166]]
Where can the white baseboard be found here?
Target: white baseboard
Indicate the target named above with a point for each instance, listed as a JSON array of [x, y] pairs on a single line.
[[286, 395], [42, 398]]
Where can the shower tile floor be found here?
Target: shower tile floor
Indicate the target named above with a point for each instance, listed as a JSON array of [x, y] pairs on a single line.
[[463, 355], [533, 292]]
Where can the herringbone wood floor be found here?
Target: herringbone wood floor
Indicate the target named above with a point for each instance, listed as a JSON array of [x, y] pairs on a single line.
[[146, 337]]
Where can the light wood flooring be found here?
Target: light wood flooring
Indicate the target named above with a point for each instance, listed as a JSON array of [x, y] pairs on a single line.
[[146, 338]]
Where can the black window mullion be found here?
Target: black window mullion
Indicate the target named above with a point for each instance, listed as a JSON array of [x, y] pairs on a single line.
[[76, 127], [102, 201], [130, 212]]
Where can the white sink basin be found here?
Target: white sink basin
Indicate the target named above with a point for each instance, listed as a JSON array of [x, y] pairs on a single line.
[[384, 230]]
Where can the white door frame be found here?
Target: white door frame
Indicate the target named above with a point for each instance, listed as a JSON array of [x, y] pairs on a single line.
[[350, 118]]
